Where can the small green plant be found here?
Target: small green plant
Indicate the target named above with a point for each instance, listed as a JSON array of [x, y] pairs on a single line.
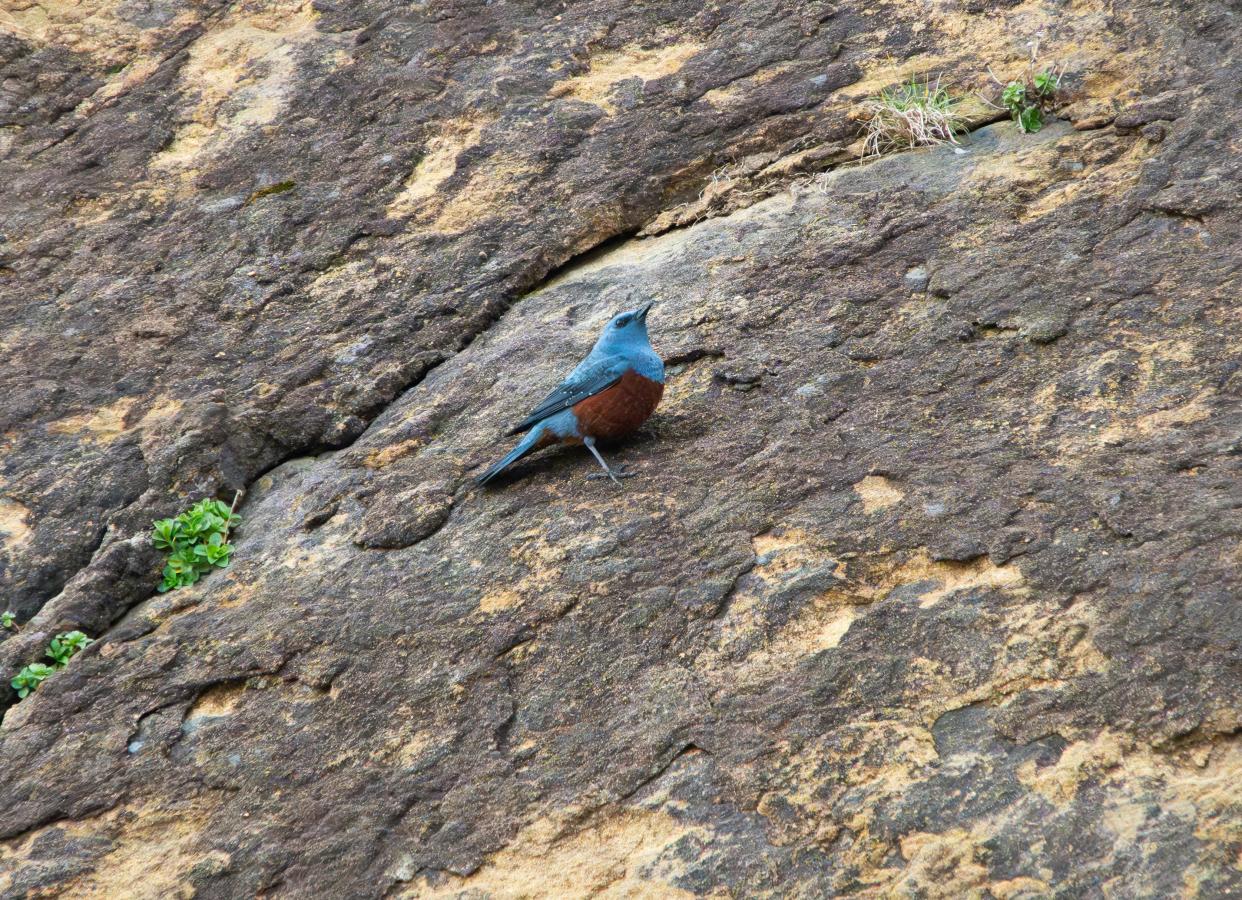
[[1046, 83], [197, 541], [63, 648], [9, 621], [30, 678], [1027, 100], [912, 115], [1030, 97]]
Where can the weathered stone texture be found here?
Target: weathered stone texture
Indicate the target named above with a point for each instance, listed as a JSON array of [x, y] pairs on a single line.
[[929, 582]]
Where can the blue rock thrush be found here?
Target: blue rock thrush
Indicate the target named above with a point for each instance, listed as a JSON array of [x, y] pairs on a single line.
[[608, 395]]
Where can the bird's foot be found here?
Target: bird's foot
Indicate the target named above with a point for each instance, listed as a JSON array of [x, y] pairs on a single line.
[[614, 474]]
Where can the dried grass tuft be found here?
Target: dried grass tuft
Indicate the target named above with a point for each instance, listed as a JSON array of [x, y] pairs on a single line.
[[912, 115]]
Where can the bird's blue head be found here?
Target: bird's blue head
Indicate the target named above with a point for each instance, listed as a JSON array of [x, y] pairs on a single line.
[[625, 331]]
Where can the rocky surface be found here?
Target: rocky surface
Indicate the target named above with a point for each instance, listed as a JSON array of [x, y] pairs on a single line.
[[928, 585]]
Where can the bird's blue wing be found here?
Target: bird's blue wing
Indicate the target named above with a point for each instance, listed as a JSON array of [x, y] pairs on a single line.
[[582, 383]]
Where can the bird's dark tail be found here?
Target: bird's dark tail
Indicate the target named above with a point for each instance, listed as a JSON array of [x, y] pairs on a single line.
[[526, 445]]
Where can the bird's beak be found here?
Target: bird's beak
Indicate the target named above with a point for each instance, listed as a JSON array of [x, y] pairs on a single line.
[[642, 313]]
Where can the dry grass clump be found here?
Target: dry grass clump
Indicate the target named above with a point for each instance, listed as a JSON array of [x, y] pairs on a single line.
[[912, 115]]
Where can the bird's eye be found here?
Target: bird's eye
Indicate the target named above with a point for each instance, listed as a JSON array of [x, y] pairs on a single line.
[[623, 321]]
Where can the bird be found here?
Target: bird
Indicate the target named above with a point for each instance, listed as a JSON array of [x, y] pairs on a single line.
[[608, 395]]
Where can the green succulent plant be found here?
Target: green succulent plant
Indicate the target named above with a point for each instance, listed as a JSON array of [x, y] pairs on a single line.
[[197, 542], [1046, 83], [64, 646], [60, 650], [30, 677], [1026, 102]]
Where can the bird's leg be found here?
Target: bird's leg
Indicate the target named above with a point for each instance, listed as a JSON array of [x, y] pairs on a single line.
[[609, 472]]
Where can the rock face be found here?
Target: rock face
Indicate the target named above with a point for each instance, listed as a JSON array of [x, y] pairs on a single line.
[[929, 582]]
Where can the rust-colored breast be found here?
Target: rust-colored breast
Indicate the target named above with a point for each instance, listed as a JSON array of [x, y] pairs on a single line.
[[620, 409]]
